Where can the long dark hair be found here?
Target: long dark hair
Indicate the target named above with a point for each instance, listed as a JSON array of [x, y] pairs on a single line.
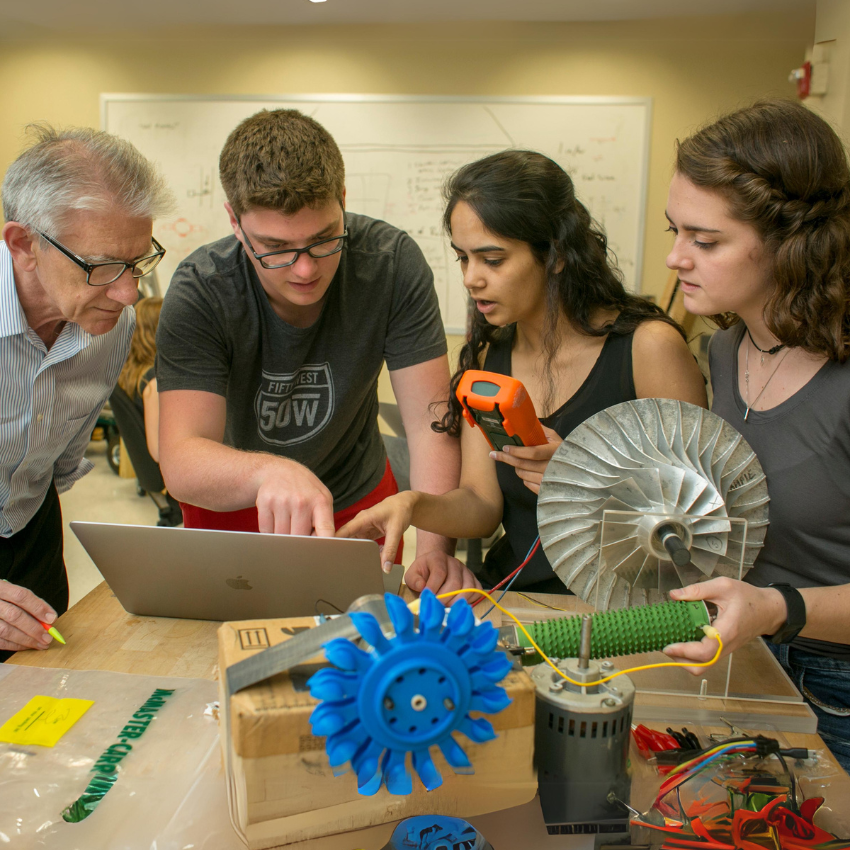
[[526, 196], [782, 169]]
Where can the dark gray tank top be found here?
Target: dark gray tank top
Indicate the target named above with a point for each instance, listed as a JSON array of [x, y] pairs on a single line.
[[803, 445]]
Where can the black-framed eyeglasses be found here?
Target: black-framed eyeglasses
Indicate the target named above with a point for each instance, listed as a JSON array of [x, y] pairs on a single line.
[[101, 274], [318, 250]]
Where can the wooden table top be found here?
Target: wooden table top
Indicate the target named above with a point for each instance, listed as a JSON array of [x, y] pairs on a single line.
[[101, 635]]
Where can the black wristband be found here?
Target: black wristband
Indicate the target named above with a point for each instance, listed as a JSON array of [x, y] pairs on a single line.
[[795, 620]]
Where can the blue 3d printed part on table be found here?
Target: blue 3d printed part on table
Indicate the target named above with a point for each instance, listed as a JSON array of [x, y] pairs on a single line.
[[409, 693]]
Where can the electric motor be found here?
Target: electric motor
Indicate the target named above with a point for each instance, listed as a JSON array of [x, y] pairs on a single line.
[[581, 747]]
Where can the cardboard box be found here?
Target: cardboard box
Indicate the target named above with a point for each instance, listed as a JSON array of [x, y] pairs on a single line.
[[281, 788]]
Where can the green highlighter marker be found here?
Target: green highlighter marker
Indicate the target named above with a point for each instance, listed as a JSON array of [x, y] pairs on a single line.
[[53, 632]]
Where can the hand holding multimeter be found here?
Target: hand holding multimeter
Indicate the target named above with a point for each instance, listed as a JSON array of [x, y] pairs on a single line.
[[500, 406]]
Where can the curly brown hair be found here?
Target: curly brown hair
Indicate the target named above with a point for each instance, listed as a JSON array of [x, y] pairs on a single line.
[[142, 347], [281, 160], [783, 169]]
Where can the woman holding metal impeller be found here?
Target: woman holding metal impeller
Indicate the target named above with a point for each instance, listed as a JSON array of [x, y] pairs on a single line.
[[549, 309], [760, 209]]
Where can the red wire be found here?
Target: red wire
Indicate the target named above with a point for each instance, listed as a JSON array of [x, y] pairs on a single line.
[[509, 577]]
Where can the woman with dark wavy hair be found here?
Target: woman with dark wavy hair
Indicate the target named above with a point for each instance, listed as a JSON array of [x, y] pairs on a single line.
[[760, 209], [549, 308]]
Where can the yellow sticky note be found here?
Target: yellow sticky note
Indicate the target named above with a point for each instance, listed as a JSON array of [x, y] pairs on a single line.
[[43, 721]]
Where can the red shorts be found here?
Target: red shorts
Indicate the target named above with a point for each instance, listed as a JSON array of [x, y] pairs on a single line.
[[246, 518]]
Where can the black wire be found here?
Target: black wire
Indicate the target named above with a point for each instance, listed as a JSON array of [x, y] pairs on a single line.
[[681, 807], [794, 807], [538, 602], [316, 607]]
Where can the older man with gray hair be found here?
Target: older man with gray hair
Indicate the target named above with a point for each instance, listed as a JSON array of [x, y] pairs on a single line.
[[79, 207]]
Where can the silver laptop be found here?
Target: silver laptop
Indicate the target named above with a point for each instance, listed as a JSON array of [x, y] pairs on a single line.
[[232, 575]]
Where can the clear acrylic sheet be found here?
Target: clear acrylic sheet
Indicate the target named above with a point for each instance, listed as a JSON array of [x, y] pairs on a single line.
[[169, 794]]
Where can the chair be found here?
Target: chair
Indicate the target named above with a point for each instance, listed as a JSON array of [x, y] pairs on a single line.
[[131, 424], [398, 453]]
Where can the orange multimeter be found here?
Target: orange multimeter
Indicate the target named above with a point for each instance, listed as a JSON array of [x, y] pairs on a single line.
[[500, 406]]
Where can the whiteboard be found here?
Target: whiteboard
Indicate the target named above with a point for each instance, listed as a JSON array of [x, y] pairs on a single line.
[[398, 151]]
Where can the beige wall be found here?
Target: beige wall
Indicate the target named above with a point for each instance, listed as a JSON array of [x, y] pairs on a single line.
[[693, 68], [832, 29]]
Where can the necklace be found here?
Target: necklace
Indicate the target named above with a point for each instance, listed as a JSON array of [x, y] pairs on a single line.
[[775, 350], [747, 374]]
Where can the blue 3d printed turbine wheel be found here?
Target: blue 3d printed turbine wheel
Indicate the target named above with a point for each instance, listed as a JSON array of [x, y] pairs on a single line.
[[409, 693]]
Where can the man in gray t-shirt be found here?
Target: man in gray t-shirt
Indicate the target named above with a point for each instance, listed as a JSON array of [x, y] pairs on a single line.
[[271, 341]]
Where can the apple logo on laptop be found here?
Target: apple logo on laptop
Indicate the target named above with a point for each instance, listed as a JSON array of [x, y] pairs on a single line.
[[238, 583]]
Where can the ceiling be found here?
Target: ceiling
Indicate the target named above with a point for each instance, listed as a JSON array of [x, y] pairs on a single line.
[[26, 20]]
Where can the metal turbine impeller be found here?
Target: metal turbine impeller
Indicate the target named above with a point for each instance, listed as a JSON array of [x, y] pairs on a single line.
[[672, 461], [409, 693]]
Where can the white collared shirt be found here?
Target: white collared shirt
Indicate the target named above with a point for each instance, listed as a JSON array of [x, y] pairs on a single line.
[[49, 401]]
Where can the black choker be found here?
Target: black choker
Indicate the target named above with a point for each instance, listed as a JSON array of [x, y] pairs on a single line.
[[775, 350]]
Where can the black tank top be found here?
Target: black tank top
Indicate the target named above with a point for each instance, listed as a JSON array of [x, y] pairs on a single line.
[[610, 382]]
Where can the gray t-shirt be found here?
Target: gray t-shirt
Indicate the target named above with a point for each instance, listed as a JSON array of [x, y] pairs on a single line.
[[310, 394], [803, 445]]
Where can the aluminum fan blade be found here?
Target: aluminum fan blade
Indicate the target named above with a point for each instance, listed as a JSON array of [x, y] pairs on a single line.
[[705, 562], [688, 574], [621, 530], [629, 567], [713, 544], [695, 489], [711, 525], [569, 567], [660, 458], [647, 576]]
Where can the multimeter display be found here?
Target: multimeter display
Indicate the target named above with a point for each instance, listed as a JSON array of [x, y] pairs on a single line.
[[485, 388], [500, 406]]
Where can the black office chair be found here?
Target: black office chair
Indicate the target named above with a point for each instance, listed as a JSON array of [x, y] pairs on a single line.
[[131, 424]]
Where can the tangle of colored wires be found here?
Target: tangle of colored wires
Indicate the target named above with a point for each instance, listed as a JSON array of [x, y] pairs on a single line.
[[758, 745], [511, 578]]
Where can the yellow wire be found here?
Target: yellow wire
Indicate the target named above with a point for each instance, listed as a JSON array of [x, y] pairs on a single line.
[[709, 630]]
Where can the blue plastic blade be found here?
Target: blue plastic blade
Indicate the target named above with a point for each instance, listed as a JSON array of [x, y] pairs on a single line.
[[491, 672], [342, 745], [461, 620], [345, 655], [491, 701], [478, 730], [329, 717], [332, 684], [455, 756], [431, 614], [396, 773], [484, 640], [367, 765], [427, 770], [401, 617], [370, 787], [368, 626]]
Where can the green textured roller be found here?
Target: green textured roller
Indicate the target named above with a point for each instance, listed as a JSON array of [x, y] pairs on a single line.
[[620, 632]]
